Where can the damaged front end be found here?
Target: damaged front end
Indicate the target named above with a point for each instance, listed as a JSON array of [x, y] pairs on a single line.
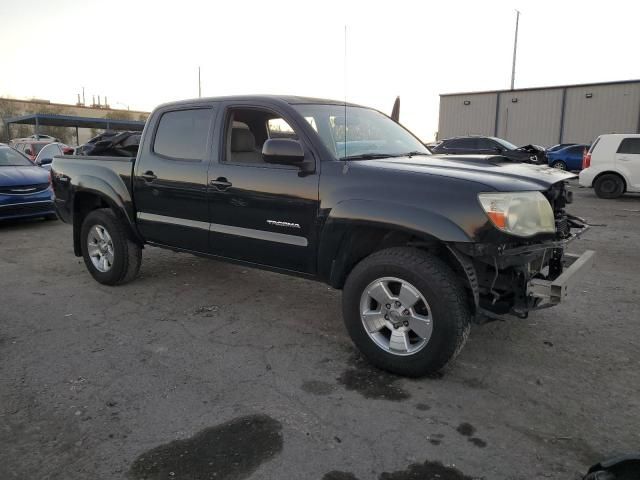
[[516, 276]]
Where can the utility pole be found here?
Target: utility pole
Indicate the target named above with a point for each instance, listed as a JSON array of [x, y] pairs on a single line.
[[199, 85], [515, 49]]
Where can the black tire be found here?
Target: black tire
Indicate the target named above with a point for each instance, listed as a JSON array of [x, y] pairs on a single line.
[[609, 185], [446, 298], [560, 165], [127, 254]]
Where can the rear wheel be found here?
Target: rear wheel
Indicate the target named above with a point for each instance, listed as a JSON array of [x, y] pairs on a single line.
[[609, 185], [560, 165], [406, 311], [109, 254]]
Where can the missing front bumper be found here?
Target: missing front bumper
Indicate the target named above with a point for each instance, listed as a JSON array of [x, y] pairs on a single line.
[[553, 292]]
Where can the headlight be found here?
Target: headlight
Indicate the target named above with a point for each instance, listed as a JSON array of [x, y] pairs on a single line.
[[519, 213]]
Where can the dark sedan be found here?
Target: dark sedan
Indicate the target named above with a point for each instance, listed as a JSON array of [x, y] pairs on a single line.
[[24, 188], [478, 145]]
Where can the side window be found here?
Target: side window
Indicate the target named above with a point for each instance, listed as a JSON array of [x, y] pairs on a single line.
[[49, 151], [630, 145], [451, 144], [279, 128], [36, 147], [248, 129], [468, 143], [183, 134], [485, 144]]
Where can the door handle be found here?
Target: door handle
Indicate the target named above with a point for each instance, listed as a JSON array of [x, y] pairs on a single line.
[[624, 159], [148, 176], [220, 183]]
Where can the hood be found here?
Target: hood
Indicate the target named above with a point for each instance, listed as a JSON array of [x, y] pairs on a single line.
[[496, 172], [18, 176]]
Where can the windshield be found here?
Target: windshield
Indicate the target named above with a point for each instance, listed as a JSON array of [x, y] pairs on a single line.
[[505, 144], [11, 158], [357, 132]]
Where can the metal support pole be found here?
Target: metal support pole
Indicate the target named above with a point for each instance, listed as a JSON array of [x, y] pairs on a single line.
[[77, 136], [564, 107], [497, 119], [37, 126], [515, 50]]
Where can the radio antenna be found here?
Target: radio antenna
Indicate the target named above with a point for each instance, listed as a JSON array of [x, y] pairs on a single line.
[[345, 90]]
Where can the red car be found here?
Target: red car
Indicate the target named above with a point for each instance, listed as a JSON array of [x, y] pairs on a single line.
[[31, 148]]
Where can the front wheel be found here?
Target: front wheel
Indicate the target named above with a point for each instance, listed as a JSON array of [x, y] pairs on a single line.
[[406, 311], [109, 254]]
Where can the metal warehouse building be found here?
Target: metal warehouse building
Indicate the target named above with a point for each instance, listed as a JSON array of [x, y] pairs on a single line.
[[543, 116]]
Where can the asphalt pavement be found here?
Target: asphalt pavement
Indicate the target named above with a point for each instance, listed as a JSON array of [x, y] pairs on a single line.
[[200, 369]]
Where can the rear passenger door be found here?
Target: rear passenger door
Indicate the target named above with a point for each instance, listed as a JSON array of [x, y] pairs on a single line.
[[628, 160], [170, 181]]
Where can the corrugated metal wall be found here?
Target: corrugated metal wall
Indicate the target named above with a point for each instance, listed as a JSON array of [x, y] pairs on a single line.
[[544, 116], [611, 109], [532, 111], [476, 118]]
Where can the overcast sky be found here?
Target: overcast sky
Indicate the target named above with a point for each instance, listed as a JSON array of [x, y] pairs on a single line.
[[141, 53]]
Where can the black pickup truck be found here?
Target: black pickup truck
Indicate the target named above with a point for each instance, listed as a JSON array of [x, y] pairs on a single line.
[[421, 245]]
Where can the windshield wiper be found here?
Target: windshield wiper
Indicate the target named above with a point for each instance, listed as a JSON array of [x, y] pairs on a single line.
[[369, 156], [411, 154]]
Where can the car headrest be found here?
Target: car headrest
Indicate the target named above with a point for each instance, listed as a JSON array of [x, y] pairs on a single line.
[[242, 140]]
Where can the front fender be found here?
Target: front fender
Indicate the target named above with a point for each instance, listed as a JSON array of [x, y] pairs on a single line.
[[410, 219], [415, 221]]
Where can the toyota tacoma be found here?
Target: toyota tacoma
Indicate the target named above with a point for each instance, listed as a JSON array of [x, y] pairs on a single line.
[[421, 245]]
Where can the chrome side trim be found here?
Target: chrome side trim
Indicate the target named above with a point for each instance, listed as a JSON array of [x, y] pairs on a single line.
[[26, 203], [260, 234], [227, 229], [184, 222]]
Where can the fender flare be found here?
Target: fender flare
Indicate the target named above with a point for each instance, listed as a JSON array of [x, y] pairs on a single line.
[[419, 222], [118, 198]]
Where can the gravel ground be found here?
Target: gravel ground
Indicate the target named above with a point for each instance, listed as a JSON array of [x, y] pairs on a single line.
[[201, 369]]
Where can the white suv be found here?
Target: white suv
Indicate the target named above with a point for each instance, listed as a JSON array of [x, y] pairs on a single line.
[[612, 165]]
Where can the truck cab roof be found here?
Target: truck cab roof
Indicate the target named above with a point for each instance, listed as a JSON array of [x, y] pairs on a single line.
[[290, 99]]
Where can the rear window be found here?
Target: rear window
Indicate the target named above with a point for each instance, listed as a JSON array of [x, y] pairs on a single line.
[[630, 145], [593, 147], [36, 147], [183, 134], [575, 150]]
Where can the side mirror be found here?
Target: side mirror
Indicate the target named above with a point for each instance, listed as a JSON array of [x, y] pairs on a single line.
[[284, 151], [45, 161], [498, 149]]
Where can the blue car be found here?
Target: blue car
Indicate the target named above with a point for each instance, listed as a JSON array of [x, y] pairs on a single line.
[[567, 158], [24, 187]]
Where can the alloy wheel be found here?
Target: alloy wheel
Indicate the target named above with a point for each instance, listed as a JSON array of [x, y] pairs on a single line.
[[396, 316], [100, 248]]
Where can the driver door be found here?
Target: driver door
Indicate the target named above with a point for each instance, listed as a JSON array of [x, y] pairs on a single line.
[[261, 213]]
